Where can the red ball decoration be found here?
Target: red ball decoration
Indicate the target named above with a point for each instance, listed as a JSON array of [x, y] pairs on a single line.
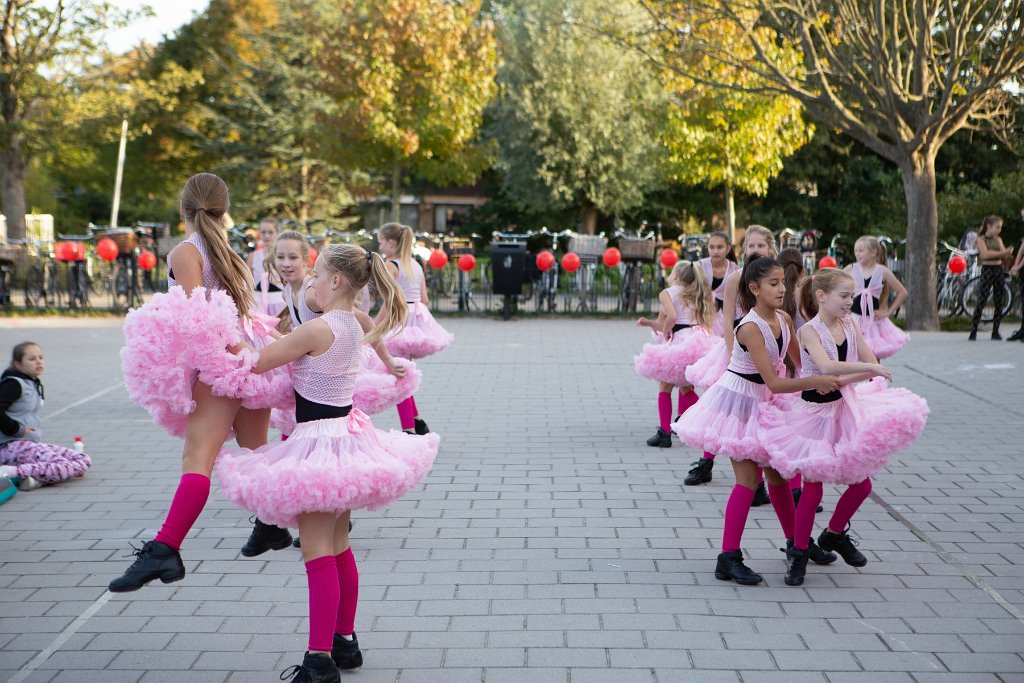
[[313, 253], [611, 257], [60, 250], [107, 250], [545, 260], [467, 262], [828, 262], [957, 264], [668, 258], [571, 262], [76, 251], [438, 259], [147, 260]]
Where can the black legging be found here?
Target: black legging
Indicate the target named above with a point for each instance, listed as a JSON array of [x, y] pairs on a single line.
[[992, 276]]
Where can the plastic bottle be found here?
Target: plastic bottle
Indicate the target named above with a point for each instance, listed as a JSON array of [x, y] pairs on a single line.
[[79, 446]]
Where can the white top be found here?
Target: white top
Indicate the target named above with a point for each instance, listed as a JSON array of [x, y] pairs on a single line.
[[330, 378], [410, 282]]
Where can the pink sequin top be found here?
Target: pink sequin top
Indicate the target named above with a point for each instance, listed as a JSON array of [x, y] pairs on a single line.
[[210, 279], [328, 379], [410, 282], [741, 363]]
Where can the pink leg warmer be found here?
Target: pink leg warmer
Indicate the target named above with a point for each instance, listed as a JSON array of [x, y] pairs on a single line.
[[406, 416], [709, 456], [348, 580], [415, 410], [804, 524], [189, 501], [736, 517], [665, 411], [324, 595], [686, 400], [796, 482], [782, 501], [851, 500]]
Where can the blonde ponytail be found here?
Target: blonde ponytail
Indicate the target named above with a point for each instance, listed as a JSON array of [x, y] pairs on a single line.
[[404, 237], [360, 267], [703, 299]]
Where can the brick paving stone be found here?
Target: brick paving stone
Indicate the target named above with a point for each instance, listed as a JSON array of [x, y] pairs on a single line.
[[548, 544]]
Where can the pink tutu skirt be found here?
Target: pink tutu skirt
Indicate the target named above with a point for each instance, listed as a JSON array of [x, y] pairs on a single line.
[[667, 361], [707, 370], [725, 419], [882, 336], [844, 441], [422, 336], [175, 340], [329, 465]]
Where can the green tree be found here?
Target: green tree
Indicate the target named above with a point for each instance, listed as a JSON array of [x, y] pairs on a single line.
[[578, 118]]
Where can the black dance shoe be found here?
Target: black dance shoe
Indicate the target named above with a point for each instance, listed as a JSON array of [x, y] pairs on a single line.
[[730, 567], [266, 537], [154, 560]]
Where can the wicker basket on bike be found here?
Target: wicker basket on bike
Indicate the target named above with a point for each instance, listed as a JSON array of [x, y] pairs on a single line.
[[125, 239], [588, 246], [636, 249]]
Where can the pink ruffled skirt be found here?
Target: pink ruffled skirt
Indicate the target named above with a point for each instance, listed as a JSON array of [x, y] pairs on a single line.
[[667, 361], [175, 340], [844, 441], [422, 336], [705, 371], [329, 465], [725, 419], [882, 336]]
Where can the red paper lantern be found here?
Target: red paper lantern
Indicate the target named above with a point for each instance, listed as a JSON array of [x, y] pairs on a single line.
[[545, 260], [668, 258], [571, 262], [438, 259], [147, 260], [611, 257], [827, 262], [60, 251], [75, 251], [313, 253], [957, 264], [467, 262], [107, 250]]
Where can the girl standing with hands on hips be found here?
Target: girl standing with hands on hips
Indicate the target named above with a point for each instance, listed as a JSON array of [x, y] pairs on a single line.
[[725, 419], [844, 436], [335, 460], [871, 298], [991, 251], [421, 336], [685, 322]]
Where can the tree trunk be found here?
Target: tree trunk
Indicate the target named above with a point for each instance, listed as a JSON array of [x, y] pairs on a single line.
[[396, 194], [922, 235], [730, 212], [12, 185], [589, 219], [304, 193]]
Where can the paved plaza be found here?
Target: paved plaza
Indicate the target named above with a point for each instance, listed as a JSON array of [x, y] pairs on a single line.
[[548, 543]]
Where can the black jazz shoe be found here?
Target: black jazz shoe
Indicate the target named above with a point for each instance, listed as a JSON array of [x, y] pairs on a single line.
[[760, 495], [814, 553], [701, 472], [345, 653], [421, 426], [796, 566], [730, 567], [266, 537], [844, 545], [154, 560], [1016, 336], [661, 439], [315, 668]]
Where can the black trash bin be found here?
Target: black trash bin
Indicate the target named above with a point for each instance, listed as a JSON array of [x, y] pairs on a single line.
[[508, 271]]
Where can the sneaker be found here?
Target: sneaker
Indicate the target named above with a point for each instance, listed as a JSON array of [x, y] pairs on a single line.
[[814, 552], [29, 484], [701, 472], [661, 439], [154, 560], [266, 537], [7, 490], [421, 427], [730, 567], [796, 566], [345, 653], [796, 500], [1016, 336], [760, 495], [315, 668], [844, 545]]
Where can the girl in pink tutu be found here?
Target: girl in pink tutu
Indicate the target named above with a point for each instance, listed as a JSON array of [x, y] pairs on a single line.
[[871, 298], [685, 322], [706, 371], [844, 436], [421, 335], [269, 298], [718, 265], [725, 419], [335, 460], [177, 364]]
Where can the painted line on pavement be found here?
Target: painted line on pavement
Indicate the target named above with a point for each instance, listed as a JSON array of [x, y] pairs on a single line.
[[63, 637]]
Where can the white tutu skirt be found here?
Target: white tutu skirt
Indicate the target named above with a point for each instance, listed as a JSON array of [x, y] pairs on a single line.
[[667, 361], [422, 336], [175, 340], [329, 465], [705, 371], [844, 441], [375, 391], [882, 336], [725, 421]]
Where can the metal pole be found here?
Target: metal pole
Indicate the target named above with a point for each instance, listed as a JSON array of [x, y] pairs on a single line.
[[120, 172]]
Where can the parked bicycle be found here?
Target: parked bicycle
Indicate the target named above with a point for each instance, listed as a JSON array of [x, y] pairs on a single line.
[[637, 249], [73, 253], [42, 284]]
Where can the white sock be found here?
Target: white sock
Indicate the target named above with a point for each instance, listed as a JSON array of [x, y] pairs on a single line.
[[348, 637]]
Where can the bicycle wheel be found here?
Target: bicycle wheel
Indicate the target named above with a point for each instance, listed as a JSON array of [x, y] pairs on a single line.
[[948, 299], [34, 293], [6, 282], [988, 313], [79, 287], [54, 290], [121, 287]]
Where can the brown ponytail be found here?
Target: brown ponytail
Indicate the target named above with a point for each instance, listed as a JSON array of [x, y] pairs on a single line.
[[360, 267], [793, 266], [204, 204]]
